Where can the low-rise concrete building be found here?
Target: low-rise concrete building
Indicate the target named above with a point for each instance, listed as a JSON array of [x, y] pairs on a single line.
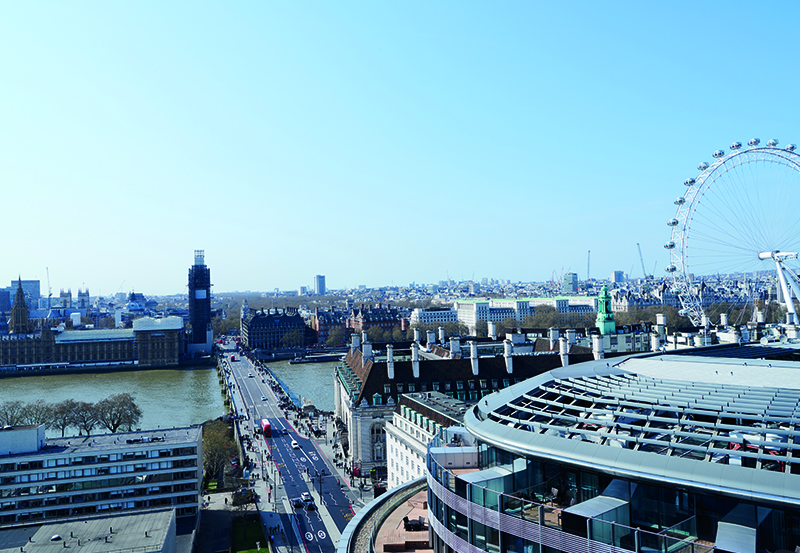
[[43, 479]]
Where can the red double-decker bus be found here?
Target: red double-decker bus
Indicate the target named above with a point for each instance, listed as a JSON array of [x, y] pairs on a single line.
[[266, 428]]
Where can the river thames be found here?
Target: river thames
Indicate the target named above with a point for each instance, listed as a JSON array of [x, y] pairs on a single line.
[[313, 381], [168, 398]]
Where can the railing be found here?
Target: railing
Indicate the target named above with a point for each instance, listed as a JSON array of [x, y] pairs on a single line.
[[353, 537], [542, 523], [387, 508]]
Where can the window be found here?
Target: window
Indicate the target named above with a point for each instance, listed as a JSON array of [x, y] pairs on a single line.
[[387, 388], [399, 388], [435, 386], [459, 385], [484, 385], [411, 387]]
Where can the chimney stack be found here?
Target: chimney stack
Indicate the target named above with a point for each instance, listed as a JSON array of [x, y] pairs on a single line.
[[563, 350], [553, 338], [597, 347], [390, 360], [492, 330], [455, 346], [415, 359], [473, 356], [507, 353]]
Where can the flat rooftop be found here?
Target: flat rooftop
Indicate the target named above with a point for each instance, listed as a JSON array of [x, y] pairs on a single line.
[[141, 532], [120, 441]]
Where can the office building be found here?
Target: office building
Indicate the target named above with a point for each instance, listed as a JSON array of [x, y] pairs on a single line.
[[319, 285], [433, 315], [417, 419], [45, 479], [694, 452], [569, 285], [201, 335], [272, 329]]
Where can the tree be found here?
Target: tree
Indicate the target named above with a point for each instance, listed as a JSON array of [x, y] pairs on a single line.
[[118, 411], [107, 322], [11, 413], [508, 326], [217, 446], [481, 328], [455, 329], [335, 337], [292, 339], [84, 416], [375, 334], [398, 335], [545, 316], [62, 415], [39, 412]]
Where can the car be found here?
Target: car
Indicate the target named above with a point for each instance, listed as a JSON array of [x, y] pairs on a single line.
[[305, 497], [263, 398], [297, 503], [295, 445], [310, 506]]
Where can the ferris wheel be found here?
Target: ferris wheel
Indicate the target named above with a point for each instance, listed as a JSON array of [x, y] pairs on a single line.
[[737, 222]]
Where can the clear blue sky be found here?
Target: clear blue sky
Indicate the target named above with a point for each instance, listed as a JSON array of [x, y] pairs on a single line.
[[373, 142]]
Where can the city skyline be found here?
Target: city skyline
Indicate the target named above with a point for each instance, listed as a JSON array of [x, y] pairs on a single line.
[[373, 144]]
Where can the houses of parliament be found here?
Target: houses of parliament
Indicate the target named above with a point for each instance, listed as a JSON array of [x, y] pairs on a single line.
[[150, 343]]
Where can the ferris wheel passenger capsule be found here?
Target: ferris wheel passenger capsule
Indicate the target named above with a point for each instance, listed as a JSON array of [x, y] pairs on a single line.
[[683, 312], [718, 154], [669, 245], [689, 182], [672, 223], [671, 268], [754, 142], [772, 142], [736, 145], [702, 166], [790, 147], [680, 200]]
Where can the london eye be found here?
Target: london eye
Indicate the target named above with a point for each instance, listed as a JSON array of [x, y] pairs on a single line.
[[737, 224]]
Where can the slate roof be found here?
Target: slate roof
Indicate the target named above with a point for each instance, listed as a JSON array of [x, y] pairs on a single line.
[[370, 378]]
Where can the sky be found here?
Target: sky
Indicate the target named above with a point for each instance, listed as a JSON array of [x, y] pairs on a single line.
[[378, 143]]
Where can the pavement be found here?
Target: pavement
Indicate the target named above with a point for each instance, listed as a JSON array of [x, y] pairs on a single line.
[[273, 504]]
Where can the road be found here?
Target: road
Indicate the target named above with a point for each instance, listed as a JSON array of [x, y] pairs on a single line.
[[298, 470]]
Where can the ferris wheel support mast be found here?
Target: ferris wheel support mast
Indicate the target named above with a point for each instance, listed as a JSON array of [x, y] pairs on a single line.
[[779, 258]]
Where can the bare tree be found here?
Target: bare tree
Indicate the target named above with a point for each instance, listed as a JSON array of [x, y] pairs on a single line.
[[39, 412], [118, 411], [217, 447], [11, 413], [84, 416], [63, 415]]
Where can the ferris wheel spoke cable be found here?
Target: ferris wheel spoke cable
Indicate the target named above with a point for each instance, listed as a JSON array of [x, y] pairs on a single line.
[[741, 206]]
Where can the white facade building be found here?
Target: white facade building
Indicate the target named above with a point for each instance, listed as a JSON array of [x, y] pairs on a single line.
[[433, 316], [66, 477], [417, 419]]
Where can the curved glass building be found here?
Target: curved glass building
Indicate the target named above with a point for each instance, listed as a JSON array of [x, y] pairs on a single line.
[[664, 453]]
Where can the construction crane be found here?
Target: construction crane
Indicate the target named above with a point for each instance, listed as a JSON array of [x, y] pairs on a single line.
[[49, 290], [641, 259], [588, 264]]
